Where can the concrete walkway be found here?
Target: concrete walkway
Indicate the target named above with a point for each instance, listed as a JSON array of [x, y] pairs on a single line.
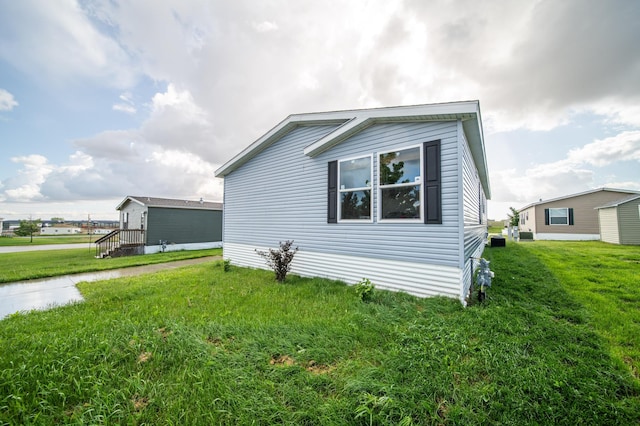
[[45, 293], [17, 249]]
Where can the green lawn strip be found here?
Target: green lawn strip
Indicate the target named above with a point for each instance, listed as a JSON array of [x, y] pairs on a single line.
[[49, 263], [42, 240], [605, 278], [200, 346]]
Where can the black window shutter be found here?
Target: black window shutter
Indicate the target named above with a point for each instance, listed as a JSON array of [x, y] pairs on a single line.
[[332, 193], [571, 216], [546, 216], [432, 184]]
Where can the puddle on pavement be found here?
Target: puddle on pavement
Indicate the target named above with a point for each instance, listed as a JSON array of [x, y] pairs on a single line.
[[46, 293]]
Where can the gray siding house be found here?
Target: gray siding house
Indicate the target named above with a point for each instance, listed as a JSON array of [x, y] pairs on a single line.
[[396, 195], [620, 221], [572, 217], [182, 224]]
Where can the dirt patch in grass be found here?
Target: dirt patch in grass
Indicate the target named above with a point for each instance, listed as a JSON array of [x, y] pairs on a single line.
[[284, 360], [315, 368], [144, 357], [139, 402], [164, 332]]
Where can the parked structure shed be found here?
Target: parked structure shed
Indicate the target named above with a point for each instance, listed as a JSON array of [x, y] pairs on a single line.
[[620, 221], [396, 195]]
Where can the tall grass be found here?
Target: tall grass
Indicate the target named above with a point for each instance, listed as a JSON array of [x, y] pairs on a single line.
[[200, 346]]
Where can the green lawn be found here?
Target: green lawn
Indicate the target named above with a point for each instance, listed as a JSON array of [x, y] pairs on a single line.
[[48, 263], [197, 345], [47, 239], [606, 279]]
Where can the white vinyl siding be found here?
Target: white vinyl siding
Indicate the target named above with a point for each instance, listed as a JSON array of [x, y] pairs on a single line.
[[266, 204], [419, 279], [474, 224]]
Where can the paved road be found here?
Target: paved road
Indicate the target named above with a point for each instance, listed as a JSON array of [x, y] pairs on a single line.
[[16, 249], [47, 292]]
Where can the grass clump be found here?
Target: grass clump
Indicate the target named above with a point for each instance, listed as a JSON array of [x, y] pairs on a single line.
[[197, 345]]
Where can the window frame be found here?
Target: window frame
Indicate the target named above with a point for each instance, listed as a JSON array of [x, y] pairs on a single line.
[[566, 209], [340, 191], [380, 187]]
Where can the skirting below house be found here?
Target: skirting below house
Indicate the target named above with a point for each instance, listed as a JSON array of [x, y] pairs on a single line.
[[566, 237], [179, 247], [414, 278]]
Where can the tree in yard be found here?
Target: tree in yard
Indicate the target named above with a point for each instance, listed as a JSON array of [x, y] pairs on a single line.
[[57, 219], [514, 217], [28, 227]]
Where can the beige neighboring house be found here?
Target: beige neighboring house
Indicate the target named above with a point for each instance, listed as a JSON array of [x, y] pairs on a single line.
[[620, 221], [572, 217]]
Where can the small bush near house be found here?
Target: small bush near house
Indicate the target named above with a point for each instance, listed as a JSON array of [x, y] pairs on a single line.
[[364, 289], [226, 265], [279, 260], [526, 235]]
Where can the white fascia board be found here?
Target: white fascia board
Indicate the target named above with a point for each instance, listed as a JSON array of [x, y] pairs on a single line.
[[475, 136], [128, 198], [284, 127], [352, 122], [361, 119], [354, 125]]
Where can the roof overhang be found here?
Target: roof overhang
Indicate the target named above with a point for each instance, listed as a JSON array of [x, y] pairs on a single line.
[[579, 194], [349, 123], [128, 199]]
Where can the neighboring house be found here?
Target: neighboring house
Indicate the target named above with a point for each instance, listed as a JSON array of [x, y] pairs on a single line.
[[59, 230], [150, 225], [396, 195], [620, 221], [572, 217]]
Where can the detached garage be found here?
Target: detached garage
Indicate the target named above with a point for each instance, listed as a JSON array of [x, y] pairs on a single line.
[[620, 221]]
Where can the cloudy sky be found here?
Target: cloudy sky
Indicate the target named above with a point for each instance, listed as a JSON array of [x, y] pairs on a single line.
[[99, 100]]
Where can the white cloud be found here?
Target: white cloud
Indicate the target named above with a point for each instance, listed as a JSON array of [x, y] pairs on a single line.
[[622, 147], [7, 102], [265, 26], [127, 105], [57, 41], [575, 173], [129, 109], [165, 157], [25, 186]]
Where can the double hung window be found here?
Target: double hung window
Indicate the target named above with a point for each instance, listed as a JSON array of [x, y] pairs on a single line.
[[355, 189], [407, 186], [559, 216], [400, 184]]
